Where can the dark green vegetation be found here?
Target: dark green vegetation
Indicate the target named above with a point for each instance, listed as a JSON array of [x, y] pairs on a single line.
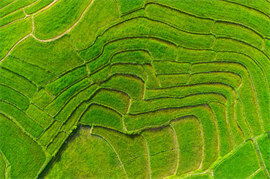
[[135, 89]]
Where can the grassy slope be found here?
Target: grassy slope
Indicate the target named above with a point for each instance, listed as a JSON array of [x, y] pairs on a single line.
[[29, 153], [47, 25], [11, 34], [79, 158]]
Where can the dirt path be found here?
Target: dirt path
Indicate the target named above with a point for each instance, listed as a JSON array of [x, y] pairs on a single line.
[[68, 30], [46, 40], [22, 39]]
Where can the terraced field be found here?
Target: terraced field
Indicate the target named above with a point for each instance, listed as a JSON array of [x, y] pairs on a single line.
[[135, 89]]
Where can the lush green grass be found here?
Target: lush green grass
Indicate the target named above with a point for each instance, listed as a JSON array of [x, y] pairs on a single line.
[[54, 107], [5, 3], [152, 81], [98, 115], [74, 118], [260, 174], [66, 80], [78, 159], [131, 85], [245, 92], [267, 46], [12, 17], [16, 5], [3, 166], [17, 146], [259, 5], [179, 19], [173, 80], [47, 136], [142, 106], [169, 67], [162, 151], [134, 89], [20, 118], [223, 10], [28, 70], [254, 54], [225, 138], [38, 115], [164, 116], [180, 92], [231, 167], [115, 99], [131, 69], [107, 11], [37, 6], [42, 98], [264, 144], [199, 176], [19, 30], [17, 82], [134, 57], [143, 27], [165, 51], [222, 29], [56, 20], [74, 102], [48, 56], [131, 150], [57, 142], [14, 97], [127, 6], [190, 141]]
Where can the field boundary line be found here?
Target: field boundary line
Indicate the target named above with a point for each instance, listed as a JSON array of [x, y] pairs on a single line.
[[121, 163], [22, 39], [69, 29]]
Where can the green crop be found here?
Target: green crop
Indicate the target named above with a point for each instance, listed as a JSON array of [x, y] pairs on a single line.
[[135, 89]]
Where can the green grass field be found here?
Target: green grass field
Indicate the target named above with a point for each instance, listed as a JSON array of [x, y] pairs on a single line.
[[135, 89]]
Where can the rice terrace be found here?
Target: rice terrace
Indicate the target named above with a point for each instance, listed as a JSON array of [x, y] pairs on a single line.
[[135, 89]]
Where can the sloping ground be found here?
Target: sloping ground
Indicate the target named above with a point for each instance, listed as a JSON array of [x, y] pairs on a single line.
[[135, 89]]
